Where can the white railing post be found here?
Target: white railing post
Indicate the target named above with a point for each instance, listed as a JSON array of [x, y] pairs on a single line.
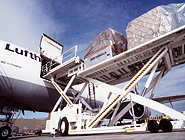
[[49, 65], [75, 50]]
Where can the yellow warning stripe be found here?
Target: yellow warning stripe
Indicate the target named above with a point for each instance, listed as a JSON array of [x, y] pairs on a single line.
[[72, 131], [144, 69], [129, 85], [130, 129], [105, 110], [62, 93], [49, 117]]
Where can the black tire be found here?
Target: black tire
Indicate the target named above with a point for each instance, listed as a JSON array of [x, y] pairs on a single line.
[[5, 132], [166, 125], [64, 126], [153, 126]]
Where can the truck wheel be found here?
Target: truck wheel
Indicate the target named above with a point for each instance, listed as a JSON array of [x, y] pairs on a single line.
[[64, 126], [153, 126], [5, 132], [166, 125]]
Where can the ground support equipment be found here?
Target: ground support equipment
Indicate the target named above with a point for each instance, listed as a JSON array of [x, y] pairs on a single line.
[[154, 58]]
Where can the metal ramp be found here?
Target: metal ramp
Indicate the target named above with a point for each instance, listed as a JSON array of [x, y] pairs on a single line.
[[123, 67], [158, 55]]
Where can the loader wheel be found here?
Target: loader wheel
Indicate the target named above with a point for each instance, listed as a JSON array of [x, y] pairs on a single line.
[[153, 126], [5, 132], [166, 125], [64, 126]]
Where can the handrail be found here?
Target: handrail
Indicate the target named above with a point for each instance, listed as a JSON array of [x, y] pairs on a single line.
[[56, 61], [75, 47]]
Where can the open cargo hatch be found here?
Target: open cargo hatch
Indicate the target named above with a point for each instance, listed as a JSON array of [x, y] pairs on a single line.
[[56, 64], [49, 50]]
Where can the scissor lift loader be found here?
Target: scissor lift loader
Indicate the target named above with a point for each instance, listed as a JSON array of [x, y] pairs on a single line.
[[157, 56]]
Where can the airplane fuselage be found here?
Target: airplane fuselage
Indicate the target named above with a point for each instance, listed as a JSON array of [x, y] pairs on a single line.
[[20, 82]]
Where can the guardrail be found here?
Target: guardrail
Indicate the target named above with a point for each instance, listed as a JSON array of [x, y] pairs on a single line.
[[59, 60]]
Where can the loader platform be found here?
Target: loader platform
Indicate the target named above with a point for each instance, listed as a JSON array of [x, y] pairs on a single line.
[[154, 58]]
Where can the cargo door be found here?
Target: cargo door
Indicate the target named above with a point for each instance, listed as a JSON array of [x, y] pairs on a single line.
[[50, 53]]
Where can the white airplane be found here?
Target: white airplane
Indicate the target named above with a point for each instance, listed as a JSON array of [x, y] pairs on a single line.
[[21, 85], [22, 88]]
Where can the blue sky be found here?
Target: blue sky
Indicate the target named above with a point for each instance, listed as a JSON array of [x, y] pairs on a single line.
[[78, 22]]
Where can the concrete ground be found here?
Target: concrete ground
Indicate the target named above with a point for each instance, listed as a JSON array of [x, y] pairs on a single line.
[[175, 134]]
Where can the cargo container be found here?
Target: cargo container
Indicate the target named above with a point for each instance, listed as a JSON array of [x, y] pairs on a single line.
[[106, 45]]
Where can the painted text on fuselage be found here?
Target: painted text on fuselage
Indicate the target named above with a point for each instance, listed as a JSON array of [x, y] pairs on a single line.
[[25, 53]]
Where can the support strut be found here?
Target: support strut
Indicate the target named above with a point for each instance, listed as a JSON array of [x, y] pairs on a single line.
[[62, 93], [125, 91]]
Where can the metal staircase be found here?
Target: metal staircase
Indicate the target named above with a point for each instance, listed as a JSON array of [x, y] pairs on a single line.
[[92, 95]]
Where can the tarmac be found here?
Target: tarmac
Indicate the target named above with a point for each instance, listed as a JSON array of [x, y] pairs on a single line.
[[174, 135]]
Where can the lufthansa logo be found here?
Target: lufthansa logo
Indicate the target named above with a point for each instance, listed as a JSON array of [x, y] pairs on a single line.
[[23, 53]]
